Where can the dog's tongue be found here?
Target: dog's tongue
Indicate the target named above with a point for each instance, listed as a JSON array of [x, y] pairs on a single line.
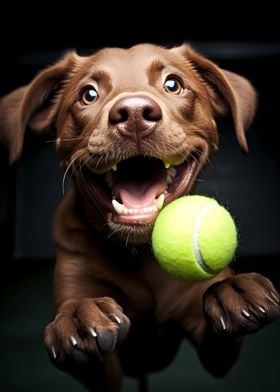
[[135, 195], [138, 184]]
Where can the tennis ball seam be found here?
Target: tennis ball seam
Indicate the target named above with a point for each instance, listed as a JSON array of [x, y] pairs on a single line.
[[195, 240]]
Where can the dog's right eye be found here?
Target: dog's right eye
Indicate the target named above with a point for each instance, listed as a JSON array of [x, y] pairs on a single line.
[[173, 85], [89, 95]]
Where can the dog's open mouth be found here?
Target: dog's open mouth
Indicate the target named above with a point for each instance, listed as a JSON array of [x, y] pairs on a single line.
[[141, 186], [137, 188]]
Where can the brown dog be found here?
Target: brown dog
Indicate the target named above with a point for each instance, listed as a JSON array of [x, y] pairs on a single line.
[[134, 128]]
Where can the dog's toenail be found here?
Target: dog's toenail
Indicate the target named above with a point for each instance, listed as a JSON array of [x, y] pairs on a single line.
[[118, 320], [245, 313], [223, 324], [92, 332], [73, 341], [53, 352], [262, 309]]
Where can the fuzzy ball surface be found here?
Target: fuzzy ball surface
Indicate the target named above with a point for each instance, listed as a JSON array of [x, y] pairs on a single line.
[[194, 238]]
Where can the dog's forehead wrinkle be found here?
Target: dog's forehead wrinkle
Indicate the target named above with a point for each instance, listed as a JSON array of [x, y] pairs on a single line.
[[136, 61]]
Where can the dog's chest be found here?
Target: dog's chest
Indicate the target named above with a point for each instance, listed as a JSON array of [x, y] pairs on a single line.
[[148, 287]]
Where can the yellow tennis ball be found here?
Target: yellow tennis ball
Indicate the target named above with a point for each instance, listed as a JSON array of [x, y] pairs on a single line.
[[194, 238]]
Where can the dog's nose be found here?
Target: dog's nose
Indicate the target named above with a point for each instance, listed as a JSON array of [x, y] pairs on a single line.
[[135, 115]]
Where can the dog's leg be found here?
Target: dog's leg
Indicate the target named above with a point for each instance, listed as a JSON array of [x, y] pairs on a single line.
[[105, 376], [88, 328], [82, 340], [234, 307]]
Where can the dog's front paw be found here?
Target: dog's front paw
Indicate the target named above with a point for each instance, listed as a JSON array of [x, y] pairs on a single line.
[[241, 304], [85, 330]]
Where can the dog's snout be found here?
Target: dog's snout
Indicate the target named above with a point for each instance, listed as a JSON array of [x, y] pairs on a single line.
[[137, 114]]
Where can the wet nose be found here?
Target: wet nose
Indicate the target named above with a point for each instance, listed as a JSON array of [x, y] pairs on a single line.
[[135, 115]]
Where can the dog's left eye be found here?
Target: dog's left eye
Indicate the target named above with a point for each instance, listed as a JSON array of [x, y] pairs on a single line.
[[89, 95], [172, 85]]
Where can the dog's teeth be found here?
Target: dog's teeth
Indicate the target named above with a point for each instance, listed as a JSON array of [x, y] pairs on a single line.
[[114, 167], [158, 203], [118, 207], [166, 165], [172, 171], [171, 174], [169, 180], [121, 209]]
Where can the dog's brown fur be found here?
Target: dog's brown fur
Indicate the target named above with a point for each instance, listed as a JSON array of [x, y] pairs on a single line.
[[117, 311]]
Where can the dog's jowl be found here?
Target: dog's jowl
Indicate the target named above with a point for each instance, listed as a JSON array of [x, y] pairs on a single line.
[[134, 129]]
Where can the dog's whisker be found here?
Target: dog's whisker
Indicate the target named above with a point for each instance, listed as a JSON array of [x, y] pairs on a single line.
[[65, 139], [83, 162], [165, 147], [99, 161], [200, 180], [66, 172], [73, 139], [114, 231], [127, 239]]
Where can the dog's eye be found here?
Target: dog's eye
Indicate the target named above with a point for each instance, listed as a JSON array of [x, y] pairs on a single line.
[[89, 95], [172, 85]]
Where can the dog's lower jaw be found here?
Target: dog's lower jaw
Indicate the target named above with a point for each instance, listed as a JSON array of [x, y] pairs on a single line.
[[128, 233], [100, 221]]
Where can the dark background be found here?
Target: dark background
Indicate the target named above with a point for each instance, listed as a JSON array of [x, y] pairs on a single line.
[[248, 185]]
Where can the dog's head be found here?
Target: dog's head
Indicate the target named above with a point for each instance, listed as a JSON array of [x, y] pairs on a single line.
[[134, 126]]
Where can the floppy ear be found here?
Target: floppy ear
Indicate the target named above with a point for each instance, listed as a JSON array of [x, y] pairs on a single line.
[[226, 90], [33, 105]]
